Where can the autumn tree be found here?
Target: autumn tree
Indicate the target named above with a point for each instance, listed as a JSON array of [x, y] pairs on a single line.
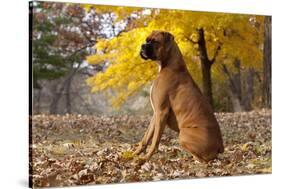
[[206, 40], [63, 35]]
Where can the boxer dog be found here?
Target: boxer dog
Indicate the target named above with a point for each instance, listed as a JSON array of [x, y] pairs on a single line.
[[178, 103]]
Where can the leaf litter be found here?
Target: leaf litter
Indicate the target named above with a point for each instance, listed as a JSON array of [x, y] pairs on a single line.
[[69, 150]]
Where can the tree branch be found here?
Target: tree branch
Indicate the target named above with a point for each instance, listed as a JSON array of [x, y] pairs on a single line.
[[190, 40], [229, 76], [216, 53], [82, 48]]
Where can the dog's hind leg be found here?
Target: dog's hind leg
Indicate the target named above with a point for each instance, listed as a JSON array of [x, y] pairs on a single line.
[[194, 141], [146, 138], [172, 121]]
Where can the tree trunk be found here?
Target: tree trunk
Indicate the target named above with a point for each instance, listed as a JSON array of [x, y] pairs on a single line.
[[249, 89], [235, 91], [207, 82], [237, 106], [241, 99], [38, 101], [55, 100], [205, 67], [57, 96], [68, 95], [267, 63]]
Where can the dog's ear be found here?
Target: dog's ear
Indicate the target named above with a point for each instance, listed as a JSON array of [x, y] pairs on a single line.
[[168, 40], [168, 37]]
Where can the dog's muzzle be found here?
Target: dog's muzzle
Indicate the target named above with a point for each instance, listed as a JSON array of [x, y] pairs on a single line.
[[147, 51]]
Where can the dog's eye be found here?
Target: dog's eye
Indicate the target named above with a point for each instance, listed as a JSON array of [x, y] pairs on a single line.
[[155, 42]]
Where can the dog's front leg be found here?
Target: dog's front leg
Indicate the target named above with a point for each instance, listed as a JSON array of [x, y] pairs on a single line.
[[146, 138], [160, 123]]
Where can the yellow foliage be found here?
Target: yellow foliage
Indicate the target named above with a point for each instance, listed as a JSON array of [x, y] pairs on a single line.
[[128, 73], [87, 7]]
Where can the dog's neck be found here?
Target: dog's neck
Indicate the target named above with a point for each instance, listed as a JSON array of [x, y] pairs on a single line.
[[175, 62]]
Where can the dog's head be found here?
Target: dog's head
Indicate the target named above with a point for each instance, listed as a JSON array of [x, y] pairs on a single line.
[[157, 45]]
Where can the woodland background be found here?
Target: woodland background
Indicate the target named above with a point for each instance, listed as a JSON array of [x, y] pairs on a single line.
[[91, 92], [79, 49]]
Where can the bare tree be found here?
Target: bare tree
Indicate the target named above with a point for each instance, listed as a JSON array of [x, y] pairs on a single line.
[[267, 62], [241, 88]]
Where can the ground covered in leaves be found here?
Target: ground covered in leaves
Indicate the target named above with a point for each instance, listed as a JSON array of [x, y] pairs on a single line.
[[78, 149]]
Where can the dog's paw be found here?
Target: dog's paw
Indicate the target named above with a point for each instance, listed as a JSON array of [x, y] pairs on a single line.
[[138, 161], [136, 152]]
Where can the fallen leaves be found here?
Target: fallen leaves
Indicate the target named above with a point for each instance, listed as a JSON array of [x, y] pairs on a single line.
[[127, 155], [72, 150]]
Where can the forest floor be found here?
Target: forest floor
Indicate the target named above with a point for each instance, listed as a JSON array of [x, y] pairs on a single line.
[[78, 149]]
